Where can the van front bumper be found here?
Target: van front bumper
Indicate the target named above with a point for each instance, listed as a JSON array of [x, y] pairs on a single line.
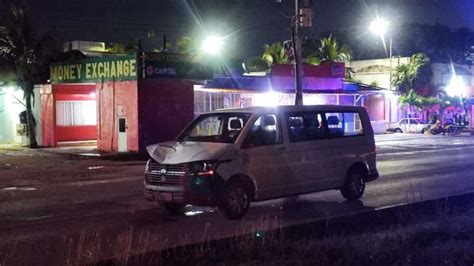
[[373, 175], [195, 190]]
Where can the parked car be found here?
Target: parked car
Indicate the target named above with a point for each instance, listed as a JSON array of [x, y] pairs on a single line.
[[409, 125], [232, 157]]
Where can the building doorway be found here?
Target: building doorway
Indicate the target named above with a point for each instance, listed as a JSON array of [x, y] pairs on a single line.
[[122, 134]]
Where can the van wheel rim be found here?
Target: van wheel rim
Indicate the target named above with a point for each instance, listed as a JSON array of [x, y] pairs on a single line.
[[357, 184], [238, 200]]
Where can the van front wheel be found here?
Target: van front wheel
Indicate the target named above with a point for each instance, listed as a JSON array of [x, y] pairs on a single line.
[[354, 187], [235, 200]]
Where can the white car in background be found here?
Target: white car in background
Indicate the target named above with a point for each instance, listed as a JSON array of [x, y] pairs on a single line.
[[408, 125]]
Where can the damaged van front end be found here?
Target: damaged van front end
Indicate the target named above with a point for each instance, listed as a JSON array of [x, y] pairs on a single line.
[[180, 173]]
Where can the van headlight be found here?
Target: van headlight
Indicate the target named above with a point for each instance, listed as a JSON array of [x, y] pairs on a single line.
[[147, 166], [205, 168]]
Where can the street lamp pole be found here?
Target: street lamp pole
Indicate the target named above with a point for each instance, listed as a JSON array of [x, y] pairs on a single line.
[[390, 56], [379, 27]]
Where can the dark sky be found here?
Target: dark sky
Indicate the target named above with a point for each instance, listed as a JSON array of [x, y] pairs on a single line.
[[248, 23]]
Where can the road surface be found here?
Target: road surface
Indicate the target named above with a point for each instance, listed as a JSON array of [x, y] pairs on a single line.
[[111, 218]]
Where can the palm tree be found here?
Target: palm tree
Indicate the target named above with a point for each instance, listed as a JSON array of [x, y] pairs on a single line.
[[275, 54], [404, 80], [405, 75], [272, 54], [411, 100], [327, 49], [28, 57], [444, 101], [255, 64], [330, 50]]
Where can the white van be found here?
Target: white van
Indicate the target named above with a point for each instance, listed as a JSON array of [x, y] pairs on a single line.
[[231, 157]]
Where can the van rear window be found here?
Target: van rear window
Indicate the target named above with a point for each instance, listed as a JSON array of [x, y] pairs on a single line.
[[344, 124]]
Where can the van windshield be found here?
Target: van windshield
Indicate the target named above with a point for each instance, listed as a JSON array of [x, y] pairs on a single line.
[[218, 127]]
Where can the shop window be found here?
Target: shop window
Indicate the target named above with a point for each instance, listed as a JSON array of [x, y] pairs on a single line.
[[210, 101], [76, 113]]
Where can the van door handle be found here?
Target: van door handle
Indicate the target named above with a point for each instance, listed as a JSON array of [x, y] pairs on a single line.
[[281, 148]]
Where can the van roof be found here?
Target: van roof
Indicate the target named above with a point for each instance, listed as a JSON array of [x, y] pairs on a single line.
[[290, 108]]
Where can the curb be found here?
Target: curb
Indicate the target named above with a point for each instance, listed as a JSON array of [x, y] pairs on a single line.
[[466, 134]]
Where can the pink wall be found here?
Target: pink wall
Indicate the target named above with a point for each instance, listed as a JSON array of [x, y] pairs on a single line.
[[116, 99], [48, 120], [375, 105], [471, 123], [165, 108]]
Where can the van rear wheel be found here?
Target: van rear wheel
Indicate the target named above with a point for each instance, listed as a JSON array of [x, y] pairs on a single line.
[[235, 200], [354, 186]]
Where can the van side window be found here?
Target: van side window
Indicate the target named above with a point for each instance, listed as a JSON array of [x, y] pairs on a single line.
[[344, 124], [305, 126], [265, 131]]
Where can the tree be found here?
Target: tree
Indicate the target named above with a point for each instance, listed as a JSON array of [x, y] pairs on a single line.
[[327, 49], [121, 48], [407, 81], [28, 57], [411, 100], [314, 52], [186, 45], [406, 74], [275, 54], [255, 64], [330, 50], [272, 54], [444, 101]]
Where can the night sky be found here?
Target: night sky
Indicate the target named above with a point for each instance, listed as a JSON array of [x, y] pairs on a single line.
[[248, 23]]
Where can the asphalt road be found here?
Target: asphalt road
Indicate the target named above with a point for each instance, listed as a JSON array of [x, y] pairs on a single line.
[[113, 218]]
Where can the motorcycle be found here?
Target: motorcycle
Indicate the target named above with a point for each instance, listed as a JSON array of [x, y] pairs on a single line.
[[450, 129], [453, 129]]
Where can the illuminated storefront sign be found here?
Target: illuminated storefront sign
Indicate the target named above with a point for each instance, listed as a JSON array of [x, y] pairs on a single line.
[[174, 66], [107, 68]]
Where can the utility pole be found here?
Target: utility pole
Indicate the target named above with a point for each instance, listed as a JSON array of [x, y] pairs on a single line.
[[302, 19], [296, 39]]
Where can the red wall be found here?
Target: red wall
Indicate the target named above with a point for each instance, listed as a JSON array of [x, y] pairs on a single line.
[[116, 99], [165, 108], [76, 133]]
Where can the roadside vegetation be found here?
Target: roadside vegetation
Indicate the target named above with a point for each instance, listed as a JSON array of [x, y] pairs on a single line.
[[414, 238], [438, 234]]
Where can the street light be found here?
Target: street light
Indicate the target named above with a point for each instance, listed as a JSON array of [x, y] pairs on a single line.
[[456, 87], [212, 45], [379, 27]]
